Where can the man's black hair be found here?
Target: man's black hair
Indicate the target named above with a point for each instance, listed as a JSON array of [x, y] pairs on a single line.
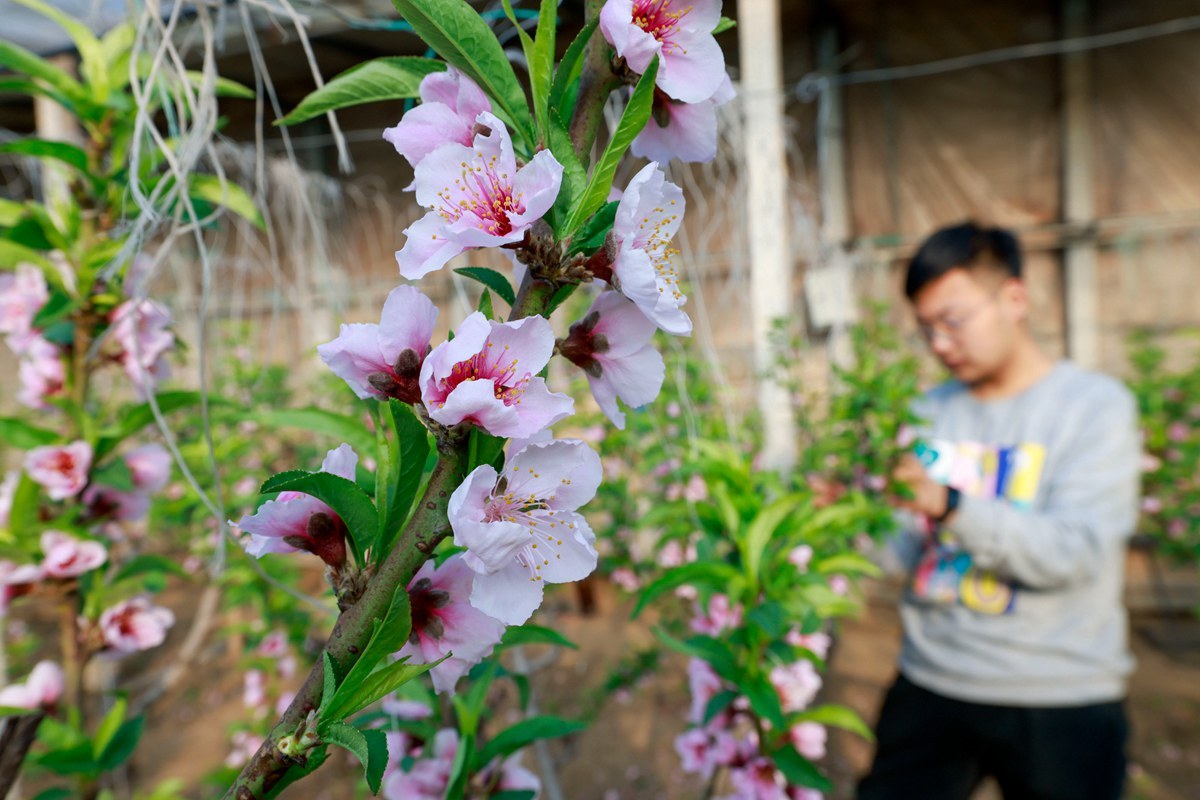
[[966, 245]]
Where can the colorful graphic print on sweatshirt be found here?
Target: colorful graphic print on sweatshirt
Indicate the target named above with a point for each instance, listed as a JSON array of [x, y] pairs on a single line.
[[945, 574]]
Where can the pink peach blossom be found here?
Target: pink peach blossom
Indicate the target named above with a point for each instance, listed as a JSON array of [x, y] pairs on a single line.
[[23, 292], [450, 103], [797, 684], [135, 625], [521, 527], [488, 376], [385, 360], [444, 621], [720, 617], [141, 329], [809, 739], [691, 65], [68, 557], [475, 196], [682, 131], [41, 373], [613, 345], [61, 469], [41, 690]]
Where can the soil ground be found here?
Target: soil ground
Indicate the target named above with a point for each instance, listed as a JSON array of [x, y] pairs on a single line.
[[627, 752]]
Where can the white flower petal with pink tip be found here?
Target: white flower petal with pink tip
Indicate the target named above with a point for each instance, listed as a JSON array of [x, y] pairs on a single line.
[[364, 350], [68, 557], [521, 529], [135, 625], [41, 690], [682, 131], [444, 621], [450, 102], [487, 375], [61, 469], [648, 215], [41, 372], [476, 197], [679, 32]]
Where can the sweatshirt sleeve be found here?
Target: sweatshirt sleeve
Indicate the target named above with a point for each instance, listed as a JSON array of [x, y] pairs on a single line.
[[1090, 505]]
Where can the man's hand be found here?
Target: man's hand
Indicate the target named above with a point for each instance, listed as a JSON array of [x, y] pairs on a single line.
[[929, 498]]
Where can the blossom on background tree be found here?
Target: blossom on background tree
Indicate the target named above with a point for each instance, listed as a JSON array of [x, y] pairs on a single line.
[[679, 33], [23, 293], [135, 624], [141, 330], [295, 521], [488, 375], [41, 372], [385, 360], [476, 196], [521, 527], [444, 622], [68, 557], [62, 470], [613, 345], [450, 104], [41, 690]]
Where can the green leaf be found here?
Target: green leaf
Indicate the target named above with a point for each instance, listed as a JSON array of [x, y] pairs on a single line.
[[23, 516], [109, 726], [11, 212], [724, 24], [718, 703], [517, 635], [485, 305], [702, 573], [512, 739], [93, 65], [574, 178], [560, 297], [380, 683], [541, 65], [148, 563], [122, 745], [849, 564], [566, 77], [74, 760], [770, 617], [329, 682], [483, 449], [12, 253], [18, 59], [271, 485], [23, 436], [222, 87], [758, 533], [388, 636], [346, 498], [134, 418], [389, 78], [369, 747], [116, 45], [837, 717], [338, 427], [211, 189], [57, 793], [591, 235], [515, 794], [717, 653], [458, 34], [57, 308], [492, 280], [799, 771], [69, 154], [315, 758], [633, 119], [412, 440], [764, 700], [459, 770], [115, 474]]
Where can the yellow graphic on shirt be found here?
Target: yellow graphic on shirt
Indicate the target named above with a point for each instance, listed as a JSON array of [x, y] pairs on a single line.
[[945, 573]]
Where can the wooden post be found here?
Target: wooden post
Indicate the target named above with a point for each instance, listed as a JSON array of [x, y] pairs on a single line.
[[1079, 208], [769, 222]]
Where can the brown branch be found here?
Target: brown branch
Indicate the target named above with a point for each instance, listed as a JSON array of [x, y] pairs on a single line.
[[15, 742]]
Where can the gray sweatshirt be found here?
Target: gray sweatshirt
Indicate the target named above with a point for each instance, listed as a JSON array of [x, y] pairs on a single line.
[[1017, 600]]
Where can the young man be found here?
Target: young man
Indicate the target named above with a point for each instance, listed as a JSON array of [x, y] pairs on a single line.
[[1025, 488]]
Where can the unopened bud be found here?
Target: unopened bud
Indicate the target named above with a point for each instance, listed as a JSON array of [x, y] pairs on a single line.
[[327, 539], [408, 364], [383, 383]]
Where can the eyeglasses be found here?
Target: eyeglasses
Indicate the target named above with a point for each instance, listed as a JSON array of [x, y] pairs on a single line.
[[950, 327]]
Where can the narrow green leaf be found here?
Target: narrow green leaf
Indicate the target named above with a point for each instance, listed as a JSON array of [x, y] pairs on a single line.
[[11, 212], [23, 516], [799, 771], [389, 636], [92, 65], [764, 700], [338, 427], [574, 179], [700, 573], [633, 119], [483, 449], [530, 60], [381, 683], [23, 436], [848, 563], [18, 59], [566, 77], [590, 237], [724, 24], [122, 745], [560, 297], [116, 474], [346, 498], [389, 78], [147, 563], [315, 758], [211, 189], [412, 439], [761, 528], [458, 34], [492, 280], [58, 307], [485, 305], [109, 726], [718, 703], [460, 772], [513, 738], [116, 47], [837, 717], [222, 87], [533, 634], [12, 253], [717, 653], [329, 682], [541, 65], [272, 484], [69, 154]]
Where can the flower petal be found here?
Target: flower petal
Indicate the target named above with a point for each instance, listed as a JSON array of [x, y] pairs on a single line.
[[354, 355], [509, 595]]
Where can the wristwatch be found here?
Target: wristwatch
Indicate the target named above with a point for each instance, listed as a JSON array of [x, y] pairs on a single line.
[[952, 498]]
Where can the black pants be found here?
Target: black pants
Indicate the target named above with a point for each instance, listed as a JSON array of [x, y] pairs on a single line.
[[933, 748]]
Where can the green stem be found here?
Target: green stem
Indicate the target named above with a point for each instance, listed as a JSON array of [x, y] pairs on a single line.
[[596, 82]]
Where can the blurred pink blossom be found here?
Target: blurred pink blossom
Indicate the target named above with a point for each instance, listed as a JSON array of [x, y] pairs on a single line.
[[254, 689], [23, 292], [626, 579], [816, 643], [141, 329], [41, 690], [696, 490], [720, 616], [801, 556], [61, 469], [809, 739], [701, 751], [797, 684], [68, 557], [1151, 505], [135, 625], [41, 373]]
